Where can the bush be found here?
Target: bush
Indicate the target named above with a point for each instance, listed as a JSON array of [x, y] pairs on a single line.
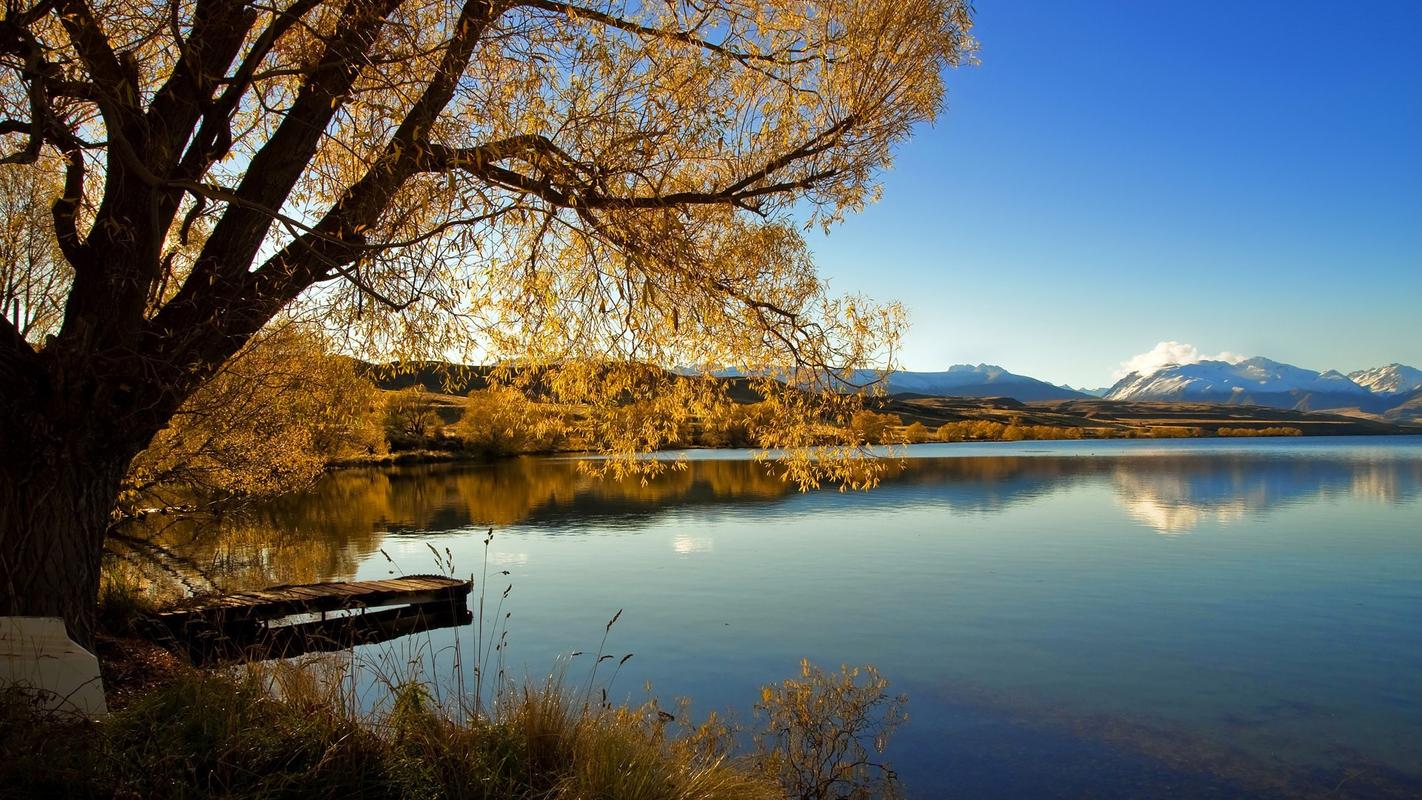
[[821, 735], [1171, 432], [872, 427], [497, 421], [989, 431], [734, 425]]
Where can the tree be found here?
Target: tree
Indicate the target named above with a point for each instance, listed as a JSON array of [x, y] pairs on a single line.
[[872, 427], [501, 420], [410, 419], [532, 180]]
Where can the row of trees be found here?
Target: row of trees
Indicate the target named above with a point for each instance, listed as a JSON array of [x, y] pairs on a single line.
[[1277, 430], [503, 420]]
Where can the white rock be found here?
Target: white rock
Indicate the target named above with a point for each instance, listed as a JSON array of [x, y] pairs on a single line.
[[37, 654]]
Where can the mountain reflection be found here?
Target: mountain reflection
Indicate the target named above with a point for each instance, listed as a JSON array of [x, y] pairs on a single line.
[[327, 532], [1176, 494]]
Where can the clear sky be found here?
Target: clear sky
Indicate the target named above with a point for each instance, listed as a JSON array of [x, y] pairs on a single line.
[[1239, 176]]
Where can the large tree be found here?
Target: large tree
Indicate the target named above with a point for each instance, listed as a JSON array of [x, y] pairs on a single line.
[[555, 181]]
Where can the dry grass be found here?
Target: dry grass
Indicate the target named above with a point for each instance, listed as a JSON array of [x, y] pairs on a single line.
[[209, 735]]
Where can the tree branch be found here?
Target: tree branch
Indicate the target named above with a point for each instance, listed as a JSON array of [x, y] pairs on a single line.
[[214, 136], [686, 37], [99, 59], [275, 169], [217, 31], [65, 210]]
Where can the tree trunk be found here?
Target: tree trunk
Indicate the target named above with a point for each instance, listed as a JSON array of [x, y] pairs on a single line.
[[55, 506]]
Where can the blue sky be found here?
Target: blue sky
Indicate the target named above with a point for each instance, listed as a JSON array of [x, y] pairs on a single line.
[[1238, 176]]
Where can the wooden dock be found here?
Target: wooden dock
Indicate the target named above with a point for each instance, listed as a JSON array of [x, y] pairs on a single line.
[[248, 626]]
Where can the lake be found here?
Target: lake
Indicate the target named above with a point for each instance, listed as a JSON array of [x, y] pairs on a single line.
[[1093, 618]]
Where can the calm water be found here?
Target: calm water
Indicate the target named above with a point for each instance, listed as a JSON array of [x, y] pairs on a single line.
[[1108, 619]]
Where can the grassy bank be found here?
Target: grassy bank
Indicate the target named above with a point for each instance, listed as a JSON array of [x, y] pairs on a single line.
[[302, 730], [210, 735]]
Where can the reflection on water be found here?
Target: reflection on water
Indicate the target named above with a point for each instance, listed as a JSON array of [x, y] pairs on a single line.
[[1052, 642], [342, 520], [1174, 494]]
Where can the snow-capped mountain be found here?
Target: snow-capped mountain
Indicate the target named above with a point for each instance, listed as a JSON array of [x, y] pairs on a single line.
[[1391, 379], [959, 380], [1221, 379], [1256, 381], [982, 380]]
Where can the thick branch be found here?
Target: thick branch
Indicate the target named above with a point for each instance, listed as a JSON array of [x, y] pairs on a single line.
[[218, 316], [218, 29], [275, 169], [561, 187], [99, 58], [303, 262], [214, 137], [66, 209]]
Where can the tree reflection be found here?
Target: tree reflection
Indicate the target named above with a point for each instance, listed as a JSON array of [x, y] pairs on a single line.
[[325, 533]]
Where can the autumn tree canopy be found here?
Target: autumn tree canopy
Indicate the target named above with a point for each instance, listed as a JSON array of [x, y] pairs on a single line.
[[536, 180]]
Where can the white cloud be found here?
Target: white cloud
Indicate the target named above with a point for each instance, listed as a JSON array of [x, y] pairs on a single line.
[[1165, 354]]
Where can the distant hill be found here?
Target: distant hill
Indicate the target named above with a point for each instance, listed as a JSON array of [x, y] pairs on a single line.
[[1408, 410], [981, 380], [1124, 416], [439, 377], [1258, 383]]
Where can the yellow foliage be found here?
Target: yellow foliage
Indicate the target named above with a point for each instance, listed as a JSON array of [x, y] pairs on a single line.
[[872, 427], [821, 736], [1169, 432], [501, 420], [268, 422], [916, 433], [1015, 431]]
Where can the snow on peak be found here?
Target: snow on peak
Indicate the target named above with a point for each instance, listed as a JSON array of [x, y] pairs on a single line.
[[1392, 379], [1213, 380]]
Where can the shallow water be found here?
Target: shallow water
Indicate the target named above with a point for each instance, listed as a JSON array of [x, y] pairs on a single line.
[[1108, 619]]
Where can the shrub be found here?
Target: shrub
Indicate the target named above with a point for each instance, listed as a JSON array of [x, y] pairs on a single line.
[[735, 425], [872, 426], [496, 421], [821, 736]]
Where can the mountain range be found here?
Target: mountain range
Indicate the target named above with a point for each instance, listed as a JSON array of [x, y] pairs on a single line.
[[1264, 382], [982, 380], [1392, 392]]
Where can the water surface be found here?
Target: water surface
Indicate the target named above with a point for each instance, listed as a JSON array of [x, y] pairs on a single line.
[[1110, 619]]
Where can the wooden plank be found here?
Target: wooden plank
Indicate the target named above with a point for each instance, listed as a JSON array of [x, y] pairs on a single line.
[[285, 600], [323, 635]]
